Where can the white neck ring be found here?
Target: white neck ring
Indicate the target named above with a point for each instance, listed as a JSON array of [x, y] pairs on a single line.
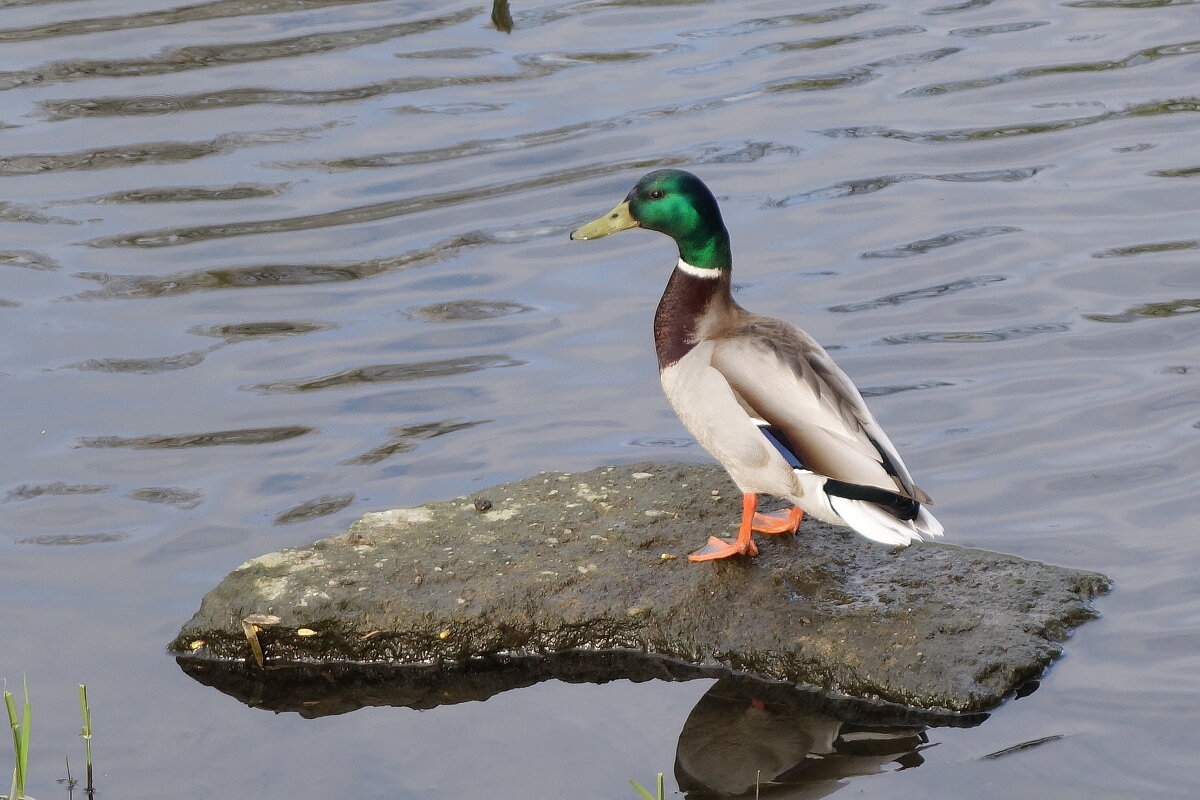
[[697, 272]]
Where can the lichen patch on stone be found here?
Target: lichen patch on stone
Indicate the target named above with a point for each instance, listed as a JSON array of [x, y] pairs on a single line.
[[398, 516]]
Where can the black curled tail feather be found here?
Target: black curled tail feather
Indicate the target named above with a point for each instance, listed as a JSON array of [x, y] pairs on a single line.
[[897, 505]]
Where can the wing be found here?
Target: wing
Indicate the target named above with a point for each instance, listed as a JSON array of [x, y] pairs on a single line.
[[783, 376]]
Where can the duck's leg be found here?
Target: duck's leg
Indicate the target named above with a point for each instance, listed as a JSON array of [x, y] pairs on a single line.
[[742, 546], [772, 523]]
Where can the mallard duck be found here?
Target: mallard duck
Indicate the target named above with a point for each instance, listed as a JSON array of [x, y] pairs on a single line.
[[760, 395]]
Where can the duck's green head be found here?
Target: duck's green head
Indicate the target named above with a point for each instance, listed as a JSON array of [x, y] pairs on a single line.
[[678, 204]]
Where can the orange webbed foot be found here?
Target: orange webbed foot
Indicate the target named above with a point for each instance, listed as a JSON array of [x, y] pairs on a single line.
[[771, 523], [723, 548], [743, 545]]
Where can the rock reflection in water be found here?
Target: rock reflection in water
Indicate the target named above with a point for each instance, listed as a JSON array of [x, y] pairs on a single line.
[[743, 734]]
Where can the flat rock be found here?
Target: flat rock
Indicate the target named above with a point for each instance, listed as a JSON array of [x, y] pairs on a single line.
[[596, 562]]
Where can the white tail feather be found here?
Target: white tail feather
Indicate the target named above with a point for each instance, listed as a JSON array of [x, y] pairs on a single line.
[[927, 524], [873, 522]]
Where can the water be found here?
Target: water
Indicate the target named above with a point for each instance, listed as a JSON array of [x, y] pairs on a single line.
[[268, 266]]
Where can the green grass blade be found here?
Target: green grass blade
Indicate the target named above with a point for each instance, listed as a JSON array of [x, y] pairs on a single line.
[[86, 733], [26, 721], [14, 723], [645, 794], [83, 708], [640, 790]]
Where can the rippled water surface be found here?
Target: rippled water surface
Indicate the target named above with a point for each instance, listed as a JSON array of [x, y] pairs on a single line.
[[266, 266]]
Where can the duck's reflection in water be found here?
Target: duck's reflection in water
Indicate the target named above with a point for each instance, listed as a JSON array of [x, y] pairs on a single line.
[[743, 736]]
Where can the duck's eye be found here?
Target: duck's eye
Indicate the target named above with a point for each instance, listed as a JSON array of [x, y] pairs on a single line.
[[657, 194]]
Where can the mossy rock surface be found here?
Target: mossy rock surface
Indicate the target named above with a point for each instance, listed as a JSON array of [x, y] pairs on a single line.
[[596, 561]]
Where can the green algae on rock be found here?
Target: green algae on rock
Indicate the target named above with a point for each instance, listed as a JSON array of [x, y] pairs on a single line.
[[593, 562]]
